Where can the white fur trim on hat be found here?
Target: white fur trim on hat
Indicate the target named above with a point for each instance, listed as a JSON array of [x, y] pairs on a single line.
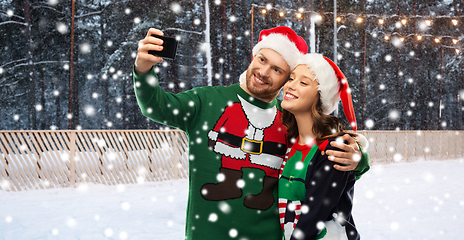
[[282, 45], [242, 78], [329, 86], [362, 141]]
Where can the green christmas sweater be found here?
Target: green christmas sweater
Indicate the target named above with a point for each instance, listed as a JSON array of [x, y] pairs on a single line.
[[236, 147], [312, 192]]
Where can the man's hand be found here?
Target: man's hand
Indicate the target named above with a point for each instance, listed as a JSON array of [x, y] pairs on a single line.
[[145, 61], [349, 158]]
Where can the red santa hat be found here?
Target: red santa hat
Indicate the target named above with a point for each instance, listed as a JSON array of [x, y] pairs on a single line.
[[333, 85], [284, 41]]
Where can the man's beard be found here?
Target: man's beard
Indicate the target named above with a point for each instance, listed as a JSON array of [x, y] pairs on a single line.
[[265, 92]]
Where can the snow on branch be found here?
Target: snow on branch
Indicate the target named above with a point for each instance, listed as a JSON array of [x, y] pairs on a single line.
[[13, 22], [182, 30]]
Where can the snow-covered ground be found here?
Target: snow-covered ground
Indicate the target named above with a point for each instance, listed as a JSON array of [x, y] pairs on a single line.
[[419, 200]]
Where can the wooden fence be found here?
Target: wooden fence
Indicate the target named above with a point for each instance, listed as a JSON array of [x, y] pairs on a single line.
[[48, 159]]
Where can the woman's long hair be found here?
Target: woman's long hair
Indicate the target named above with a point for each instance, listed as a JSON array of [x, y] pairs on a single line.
[[324, 126]]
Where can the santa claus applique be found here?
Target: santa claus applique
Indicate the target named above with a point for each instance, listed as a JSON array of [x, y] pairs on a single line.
[[247, 136]]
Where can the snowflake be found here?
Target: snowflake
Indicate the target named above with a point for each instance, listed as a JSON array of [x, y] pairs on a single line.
[[397, 157], [128, 11], [85, 48], [176, 7], [137, 20], [89, 110], [109, 43], [394, 115], [61, 27], [213, 217], [233, 233], [108, 232], [224, 207], [123, 235], [55, 232], [370, 194], [241, 183], [196, 21], [125, 206], [388, 58], [369, 123], [220, 177], [38, 107], [394, 226]]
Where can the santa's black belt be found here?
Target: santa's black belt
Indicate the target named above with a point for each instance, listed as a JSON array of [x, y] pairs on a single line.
[[253, 146], [292, 178]]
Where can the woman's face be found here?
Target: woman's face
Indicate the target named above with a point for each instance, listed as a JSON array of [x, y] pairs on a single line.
[[300, 91]]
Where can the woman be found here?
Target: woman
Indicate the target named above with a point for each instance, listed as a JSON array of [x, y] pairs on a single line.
[[315, 200]]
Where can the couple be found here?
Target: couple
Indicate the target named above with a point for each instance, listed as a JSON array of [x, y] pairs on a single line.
[[239, 137]]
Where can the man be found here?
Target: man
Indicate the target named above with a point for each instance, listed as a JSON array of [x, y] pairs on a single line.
[[236, 138]]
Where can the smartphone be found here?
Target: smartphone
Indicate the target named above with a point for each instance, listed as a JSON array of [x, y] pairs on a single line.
[[169, 47]]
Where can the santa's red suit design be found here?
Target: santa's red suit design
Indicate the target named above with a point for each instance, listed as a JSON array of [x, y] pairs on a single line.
[[247, 136]]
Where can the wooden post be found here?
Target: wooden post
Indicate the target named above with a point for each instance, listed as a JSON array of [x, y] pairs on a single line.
[[72, 162]]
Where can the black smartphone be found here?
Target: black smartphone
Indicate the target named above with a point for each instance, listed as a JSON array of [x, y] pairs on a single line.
[[169, 48]]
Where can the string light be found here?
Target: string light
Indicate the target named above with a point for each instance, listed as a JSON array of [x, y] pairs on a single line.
[[426, 22]]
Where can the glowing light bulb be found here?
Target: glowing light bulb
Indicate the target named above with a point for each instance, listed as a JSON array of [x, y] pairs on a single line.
[[359, 20], [402, 39], [264, 11], [455, 22], [381, 21], [419, 37], [437, 40], [386, 37], [299, 15], [455, 41], [281, 14], [339, 19], [404, 21], [428, 22]]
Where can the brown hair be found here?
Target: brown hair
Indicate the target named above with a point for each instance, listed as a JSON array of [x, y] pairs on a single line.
[[324, 126]]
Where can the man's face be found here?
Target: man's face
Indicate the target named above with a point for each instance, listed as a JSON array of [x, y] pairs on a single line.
[[266, 75]]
